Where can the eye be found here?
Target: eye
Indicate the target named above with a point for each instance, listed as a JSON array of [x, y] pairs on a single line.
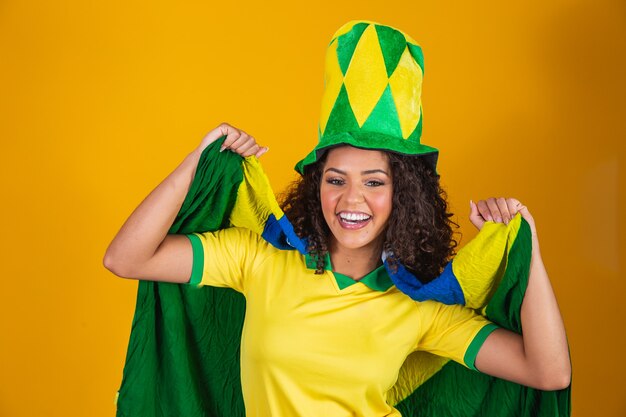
[[335, 181], [374, 183]]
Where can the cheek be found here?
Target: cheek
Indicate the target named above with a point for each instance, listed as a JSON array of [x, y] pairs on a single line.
[[327, 199], [383, 204]]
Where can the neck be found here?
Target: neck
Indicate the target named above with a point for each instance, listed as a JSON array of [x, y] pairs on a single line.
[[355, 263]]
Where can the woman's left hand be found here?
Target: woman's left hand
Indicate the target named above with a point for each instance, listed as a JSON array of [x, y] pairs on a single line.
[[499, 210], [539, 357]]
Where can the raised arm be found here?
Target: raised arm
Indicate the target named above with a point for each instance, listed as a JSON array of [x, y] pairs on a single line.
[[142, 249], [539, 358]]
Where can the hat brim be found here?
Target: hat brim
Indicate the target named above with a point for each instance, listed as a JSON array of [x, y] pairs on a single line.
[[373, 141]]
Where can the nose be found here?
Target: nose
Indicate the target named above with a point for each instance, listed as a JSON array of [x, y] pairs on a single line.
[[354, 194]]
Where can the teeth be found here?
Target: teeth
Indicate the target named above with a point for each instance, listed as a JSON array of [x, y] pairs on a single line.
[[354, 216]]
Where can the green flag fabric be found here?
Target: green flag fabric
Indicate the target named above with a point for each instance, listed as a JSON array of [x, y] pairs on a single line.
[[457, 391], [183, 353]]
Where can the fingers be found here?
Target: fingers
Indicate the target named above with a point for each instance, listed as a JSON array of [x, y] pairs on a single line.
[[222, 130], [499, 210], [240, 142], [252, 149], [485, 210], [261, 151], [236, 140], [475, 217]]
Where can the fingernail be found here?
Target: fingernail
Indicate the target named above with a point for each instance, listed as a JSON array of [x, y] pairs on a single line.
[[222, 148]]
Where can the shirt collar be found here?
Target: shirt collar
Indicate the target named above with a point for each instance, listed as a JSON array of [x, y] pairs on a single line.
[[377, 280]]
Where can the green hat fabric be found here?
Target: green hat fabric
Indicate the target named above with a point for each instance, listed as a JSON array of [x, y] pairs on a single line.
[[372, 94]]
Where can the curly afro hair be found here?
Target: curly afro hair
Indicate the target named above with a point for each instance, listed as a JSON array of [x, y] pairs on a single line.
[[419, 233]]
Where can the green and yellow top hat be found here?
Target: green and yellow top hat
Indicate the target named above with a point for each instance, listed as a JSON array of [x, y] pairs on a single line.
[[372, 94]]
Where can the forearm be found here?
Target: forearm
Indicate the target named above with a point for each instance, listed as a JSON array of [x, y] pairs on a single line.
[[545, 342], [539, 357], [146, 228]]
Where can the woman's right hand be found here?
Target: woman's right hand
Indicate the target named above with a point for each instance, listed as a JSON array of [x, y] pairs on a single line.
[[236, 140]]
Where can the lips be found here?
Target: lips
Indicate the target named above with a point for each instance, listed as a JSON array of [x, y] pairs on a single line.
[[353, 220]]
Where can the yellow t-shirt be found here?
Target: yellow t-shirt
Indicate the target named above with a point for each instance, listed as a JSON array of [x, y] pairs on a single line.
[[325, 345]]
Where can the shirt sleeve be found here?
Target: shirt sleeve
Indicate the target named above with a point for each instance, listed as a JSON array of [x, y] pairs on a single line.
[[453, 331], [224, 258]]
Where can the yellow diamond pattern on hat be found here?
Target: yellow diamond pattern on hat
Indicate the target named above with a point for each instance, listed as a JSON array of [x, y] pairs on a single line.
[[366, 78], [372, 93], [406, 85], [333, 81]]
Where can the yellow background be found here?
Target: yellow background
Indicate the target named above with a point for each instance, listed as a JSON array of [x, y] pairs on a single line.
[[101, 100]]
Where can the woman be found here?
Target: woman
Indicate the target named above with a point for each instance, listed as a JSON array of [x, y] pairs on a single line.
[[307, 348]]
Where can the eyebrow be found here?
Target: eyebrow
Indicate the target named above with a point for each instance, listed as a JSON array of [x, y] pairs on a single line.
[[368, 172]]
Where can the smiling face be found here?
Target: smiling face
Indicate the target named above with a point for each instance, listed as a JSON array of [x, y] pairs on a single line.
[[356, 195]]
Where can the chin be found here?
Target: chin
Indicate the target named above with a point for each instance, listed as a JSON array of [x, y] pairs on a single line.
[[355, 244]]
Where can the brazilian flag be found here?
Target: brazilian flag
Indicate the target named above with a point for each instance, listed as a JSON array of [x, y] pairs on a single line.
[[183, 354]]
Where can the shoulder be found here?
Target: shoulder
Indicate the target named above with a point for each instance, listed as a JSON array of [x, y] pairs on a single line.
[[233, 235], [238, 241], [434, 312], [229, 257]]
